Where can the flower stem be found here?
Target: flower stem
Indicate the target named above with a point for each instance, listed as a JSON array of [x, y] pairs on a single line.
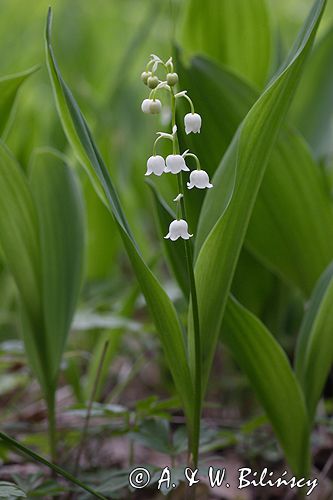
[[195, 439], [197, 339], [197, 161], [183, 94], [162, 136]]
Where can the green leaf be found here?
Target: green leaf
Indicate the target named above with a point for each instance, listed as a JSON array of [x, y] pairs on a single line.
[[282, 225], [10, 490], [9, 86], [19, 239], [62, 240], [264, 362], [314, 98], [291, 228], [102, 246], [161, 307], [314, 355], [211, 86], [228, 207], [41, 237], [154, 434], [19, 232], [236, 33]]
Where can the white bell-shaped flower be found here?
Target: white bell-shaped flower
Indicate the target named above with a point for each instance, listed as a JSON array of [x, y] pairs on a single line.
[[175, 164], [155, 165], [145, 106], [151, 106], [192, 123], [199, 179], [178, 229]]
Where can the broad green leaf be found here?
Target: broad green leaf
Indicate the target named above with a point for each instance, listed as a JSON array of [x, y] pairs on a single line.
[[282, 225], [19, 239], [62, 237], [236, 33], [33, 239], [19, 232], [161, 308], [312, 108], [33, 242], [291, 228], [101, 244], [228, 206], [264, 362], [258, 289], [9, 86], [314, 355], [221, 97]]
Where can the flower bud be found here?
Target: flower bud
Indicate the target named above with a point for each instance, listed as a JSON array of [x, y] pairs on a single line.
[[144, 76], [152, 82], [192, 123], [151, 106], [172, 79], [155, 106]]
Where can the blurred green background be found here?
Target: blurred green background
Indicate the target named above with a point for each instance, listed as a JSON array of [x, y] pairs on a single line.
[[103, 46]]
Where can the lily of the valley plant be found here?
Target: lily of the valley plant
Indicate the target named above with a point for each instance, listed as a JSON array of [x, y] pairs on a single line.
[[175, 164], [218, 239]]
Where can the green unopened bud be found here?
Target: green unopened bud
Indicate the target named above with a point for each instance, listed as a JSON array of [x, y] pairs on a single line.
[[152, 82], [155, 106], [144, 76], [172, 79]]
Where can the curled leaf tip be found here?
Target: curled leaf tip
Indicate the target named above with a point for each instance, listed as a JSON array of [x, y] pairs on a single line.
[[49, 24]]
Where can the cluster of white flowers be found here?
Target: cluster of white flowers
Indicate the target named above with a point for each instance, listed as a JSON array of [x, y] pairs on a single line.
[[174, 163]]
